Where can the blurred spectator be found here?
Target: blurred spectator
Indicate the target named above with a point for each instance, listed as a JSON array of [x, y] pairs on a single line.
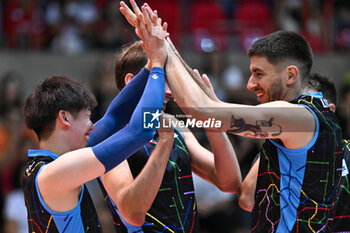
[[342, 24], [11, 92], [234, 84], [311, 18], [53, 17], [288, 15], [1, 25], [77, 31], [316, 23], [111, 27], [68, 40], [343, 111], [23, 24], [214, 64], [74, 26], [15, 212], [253, 19], [103, 85], [9, 139], [14, 136]]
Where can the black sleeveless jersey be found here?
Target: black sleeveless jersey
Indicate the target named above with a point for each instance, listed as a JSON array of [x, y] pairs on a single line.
[[297, 189], [341, 217], [174, 208], [82, 219]]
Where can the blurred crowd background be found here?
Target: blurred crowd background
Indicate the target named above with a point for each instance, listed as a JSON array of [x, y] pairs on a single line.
[[79, 38]]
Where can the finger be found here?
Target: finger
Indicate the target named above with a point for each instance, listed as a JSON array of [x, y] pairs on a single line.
[[125, 8], [143, 28], [142, 45], [204, 77], [128, 14], [207, 81], [135, 7], [165, 26], [146, 18], [154, 20], [148, 6], [146, 11], [196, 72], [139, 28], [139, 34], [151, 15]]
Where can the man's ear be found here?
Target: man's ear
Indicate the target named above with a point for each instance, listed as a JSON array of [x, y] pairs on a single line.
[[292, 74], [128, 78], [63, 117]]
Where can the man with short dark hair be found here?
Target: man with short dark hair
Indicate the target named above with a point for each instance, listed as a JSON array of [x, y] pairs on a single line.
[[318, 85]]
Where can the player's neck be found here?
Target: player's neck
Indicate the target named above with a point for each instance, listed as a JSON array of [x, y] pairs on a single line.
[[291, 94], [58, 147]]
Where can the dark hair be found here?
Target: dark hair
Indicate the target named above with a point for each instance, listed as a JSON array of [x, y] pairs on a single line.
[[131, 60], [321, 83], [52, 95], [285, 47]]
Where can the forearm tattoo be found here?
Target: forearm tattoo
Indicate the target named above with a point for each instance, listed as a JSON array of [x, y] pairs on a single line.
[[239, 126]]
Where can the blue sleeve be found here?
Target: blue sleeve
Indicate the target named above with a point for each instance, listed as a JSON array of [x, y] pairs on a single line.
[[119, 111], [128, 140]]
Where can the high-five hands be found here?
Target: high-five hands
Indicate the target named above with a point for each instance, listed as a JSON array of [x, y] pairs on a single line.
[[148, 26], [158, 30]]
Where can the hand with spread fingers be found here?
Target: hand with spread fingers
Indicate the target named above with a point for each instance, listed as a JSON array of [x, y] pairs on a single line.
[[152, 44], [132, 17]]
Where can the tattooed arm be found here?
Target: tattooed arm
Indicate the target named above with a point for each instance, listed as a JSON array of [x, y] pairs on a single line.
[[294, 125]]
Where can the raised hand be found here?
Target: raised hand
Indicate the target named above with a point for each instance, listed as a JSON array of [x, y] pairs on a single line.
[[152, 44], [132, 17]]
